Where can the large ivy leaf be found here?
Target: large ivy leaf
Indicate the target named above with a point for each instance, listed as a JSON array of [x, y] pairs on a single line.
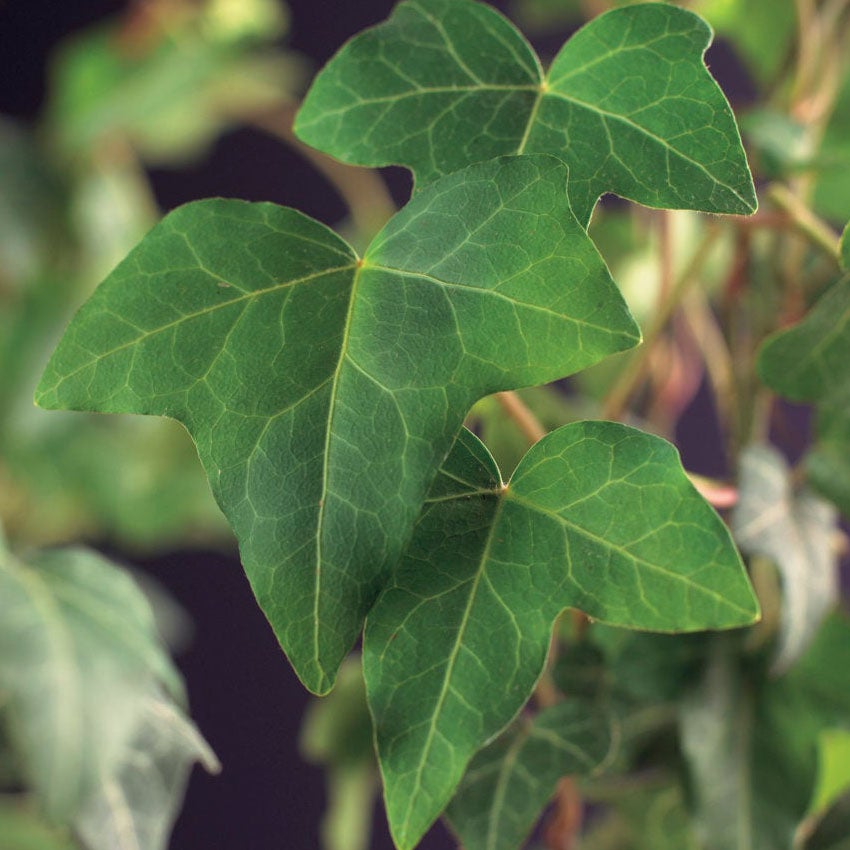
[[509, 782], [323, 391], [134, 807], [597, 516], [795, 531], [628, 103], [808, 362]]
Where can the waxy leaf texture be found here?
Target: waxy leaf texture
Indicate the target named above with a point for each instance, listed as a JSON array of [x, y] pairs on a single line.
[[628, 103], [322, 390], [510, 781], [597, 516]]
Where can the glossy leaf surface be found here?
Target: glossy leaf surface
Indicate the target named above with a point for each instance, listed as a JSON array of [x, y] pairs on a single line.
[[509, 782], [628, 103], [597, 516], [323, 391], [795, 531]]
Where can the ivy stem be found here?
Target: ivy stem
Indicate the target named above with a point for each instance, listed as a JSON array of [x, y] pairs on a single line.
[[636, 369], [815, 229], [522, 416]]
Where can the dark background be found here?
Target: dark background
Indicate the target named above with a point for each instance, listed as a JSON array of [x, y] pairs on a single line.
[[245, 698]]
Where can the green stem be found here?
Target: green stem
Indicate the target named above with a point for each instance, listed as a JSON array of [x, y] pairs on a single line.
[[817, 231]]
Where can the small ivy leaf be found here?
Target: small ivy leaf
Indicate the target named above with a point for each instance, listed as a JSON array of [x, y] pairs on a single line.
[[135, 805], [828, 461], [795, 531], [598, 516], [509, 782], [808, 362], [628, 103], [845, 249], [323, 391], [78, 649]]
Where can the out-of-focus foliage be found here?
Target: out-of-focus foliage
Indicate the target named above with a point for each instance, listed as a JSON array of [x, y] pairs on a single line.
[[156, 86]]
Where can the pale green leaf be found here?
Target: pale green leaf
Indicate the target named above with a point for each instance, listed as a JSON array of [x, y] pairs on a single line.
[[134, 806], [510, 781], [597, 516], [833, 769], [78, 651], [628, 103], [795, 530], [751, 740], [22, 829], [323, 391]]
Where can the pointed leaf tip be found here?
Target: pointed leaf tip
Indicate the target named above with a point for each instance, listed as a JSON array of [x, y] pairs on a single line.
[[628, 103]]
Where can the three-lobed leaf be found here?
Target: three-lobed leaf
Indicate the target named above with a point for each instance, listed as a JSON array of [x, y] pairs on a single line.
[[597, 516], [510, 781], [322, 390], [628, 103]]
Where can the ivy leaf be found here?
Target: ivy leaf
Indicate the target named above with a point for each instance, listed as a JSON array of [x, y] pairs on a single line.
[[795, 531], [135, 806], [628, 103], [751, 741], [323, 391], [808, 362], [510, 781], [78, 650], [597, 516]]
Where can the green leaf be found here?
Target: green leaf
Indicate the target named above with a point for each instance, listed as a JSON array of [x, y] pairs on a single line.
[[510, 781], [832, 190], [833, 769], [845, 248], [597, 516], [628, 103], [795, 531], [323, 391], [730, 751], [135, 805], [751, 740], [808, 362], [827, 463], [78, 651], [22, 829]]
